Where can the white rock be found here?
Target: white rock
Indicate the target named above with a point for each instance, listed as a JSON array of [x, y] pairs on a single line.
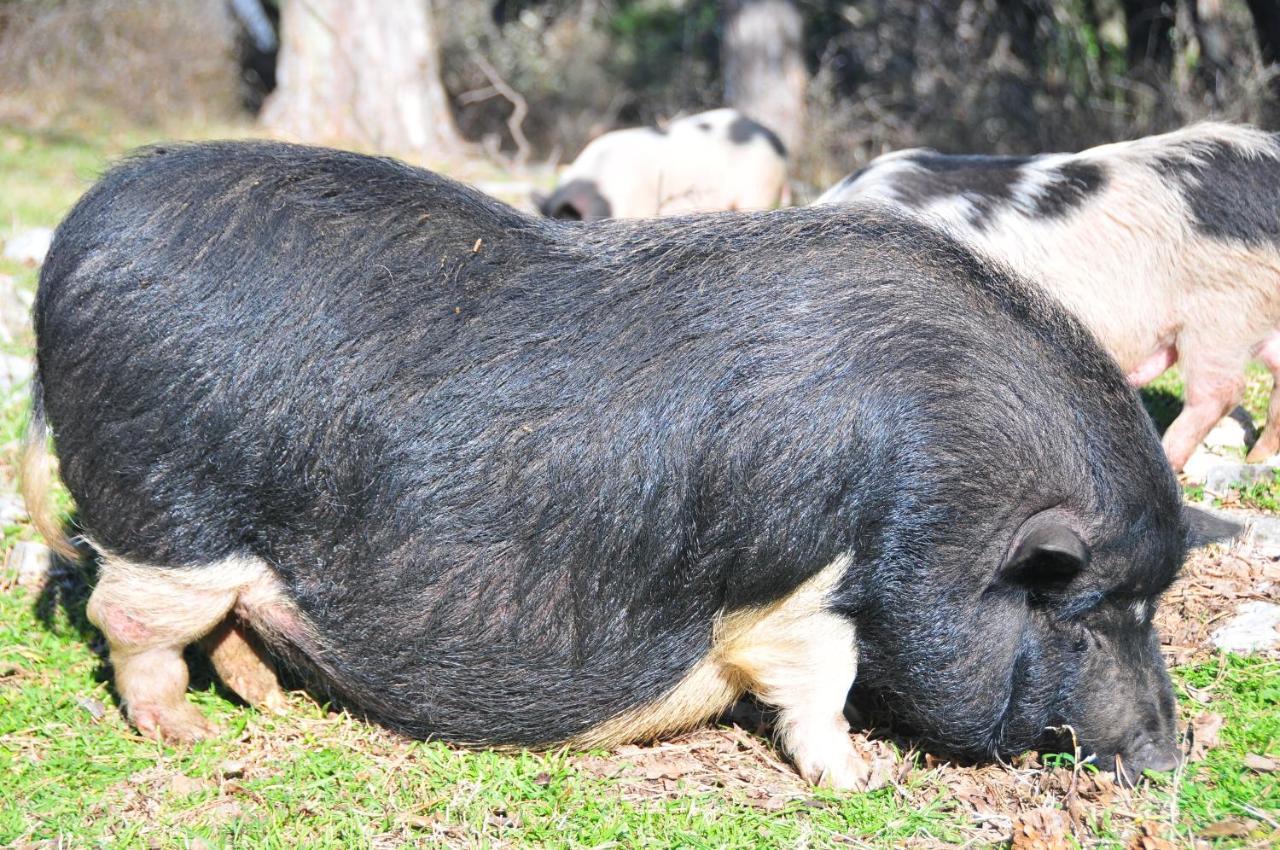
[[1199, 465], [30, 562], [15, 309], [12, 509], [29, 246], [1252, 628], [14, 370], [1235, 431], [1219, 477]]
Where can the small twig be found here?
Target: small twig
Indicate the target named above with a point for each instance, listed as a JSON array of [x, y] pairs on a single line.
[[520, 107], [1257, 813], [477, 95]]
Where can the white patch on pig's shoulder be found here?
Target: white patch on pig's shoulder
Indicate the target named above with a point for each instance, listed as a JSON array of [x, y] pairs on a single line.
[[791, 652]]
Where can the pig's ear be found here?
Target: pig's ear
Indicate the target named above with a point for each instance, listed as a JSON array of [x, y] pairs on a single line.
[[1047, 555]]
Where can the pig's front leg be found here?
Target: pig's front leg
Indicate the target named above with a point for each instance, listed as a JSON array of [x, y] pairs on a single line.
[[799, 656]]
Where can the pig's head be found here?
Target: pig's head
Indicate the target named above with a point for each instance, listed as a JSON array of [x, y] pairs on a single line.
[[578, 199], [1052, 648]]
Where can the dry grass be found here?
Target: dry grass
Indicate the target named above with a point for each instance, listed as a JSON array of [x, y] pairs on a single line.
[[154, 62]]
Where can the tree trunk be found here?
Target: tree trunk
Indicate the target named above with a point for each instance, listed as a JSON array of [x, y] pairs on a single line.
[[1215, 47], [764, 71], [362, 71]]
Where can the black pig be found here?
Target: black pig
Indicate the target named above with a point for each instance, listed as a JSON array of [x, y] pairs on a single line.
[[511, 481]]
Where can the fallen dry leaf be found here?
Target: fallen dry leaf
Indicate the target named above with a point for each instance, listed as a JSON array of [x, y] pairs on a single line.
[[1148, 837], [1261, 764], [764, 800], [1206, 728], [1234, 827], [418, 821], [1039, 829], [671, 767], [94, 706]]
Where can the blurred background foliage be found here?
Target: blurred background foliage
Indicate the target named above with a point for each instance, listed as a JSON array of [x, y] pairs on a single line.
[[958, 75]]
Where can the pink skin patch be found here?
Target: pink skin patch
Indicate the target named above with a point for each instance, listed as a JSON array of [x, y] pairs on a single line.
[[1269, 351], [124, 628], [264, 613], [1154, 366]]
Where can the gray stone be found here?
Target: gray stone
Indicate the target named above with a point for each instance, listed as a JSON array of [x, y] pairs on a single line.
[[1254, 627], [30, 563], [1219, 478], [15, 310], [29, 246]]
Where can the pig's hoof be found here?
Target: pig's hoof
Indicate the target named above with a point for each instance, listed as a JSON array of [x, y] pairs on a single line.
[[1261, 451], [273, 702], [260, 691], [175, 724], [845, 771]]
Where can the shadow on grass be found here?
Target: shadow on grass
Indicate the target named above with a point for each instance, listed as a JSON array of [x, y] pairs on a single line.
[[1162, 404]]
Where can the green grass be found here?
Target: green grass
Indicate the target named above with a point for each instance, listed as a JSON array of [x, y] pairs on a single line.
[[1247, 694], [1261, 495]]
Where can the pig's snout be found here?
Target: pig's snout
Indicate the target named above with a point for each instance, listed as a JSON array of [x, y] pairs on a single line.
[[1158, 756], [1145, 753]]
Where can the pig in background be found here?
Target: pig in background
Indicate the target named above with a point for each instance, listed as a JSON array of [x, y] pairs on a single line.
[[504, 480], [717, 160], [1167, 248]]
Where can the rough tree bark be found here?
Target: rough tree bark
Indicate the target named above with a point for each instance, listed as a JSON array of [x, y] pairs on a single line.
[[363, 71], [764, 71]]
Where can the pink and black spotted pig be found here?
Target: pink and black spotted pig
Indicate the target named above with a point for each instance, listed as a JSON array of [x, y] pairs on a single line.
[[1167, 247]]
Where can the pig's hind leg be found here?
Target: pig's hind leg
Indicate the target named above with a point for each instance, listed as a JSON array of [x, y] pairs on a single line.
[[149, 615], [242, 664], [1214, 378], [1269, 443]]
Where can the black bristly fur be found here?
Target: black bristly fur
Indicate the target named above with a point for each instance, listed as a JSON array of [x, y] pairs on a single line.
[[511, 468]]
